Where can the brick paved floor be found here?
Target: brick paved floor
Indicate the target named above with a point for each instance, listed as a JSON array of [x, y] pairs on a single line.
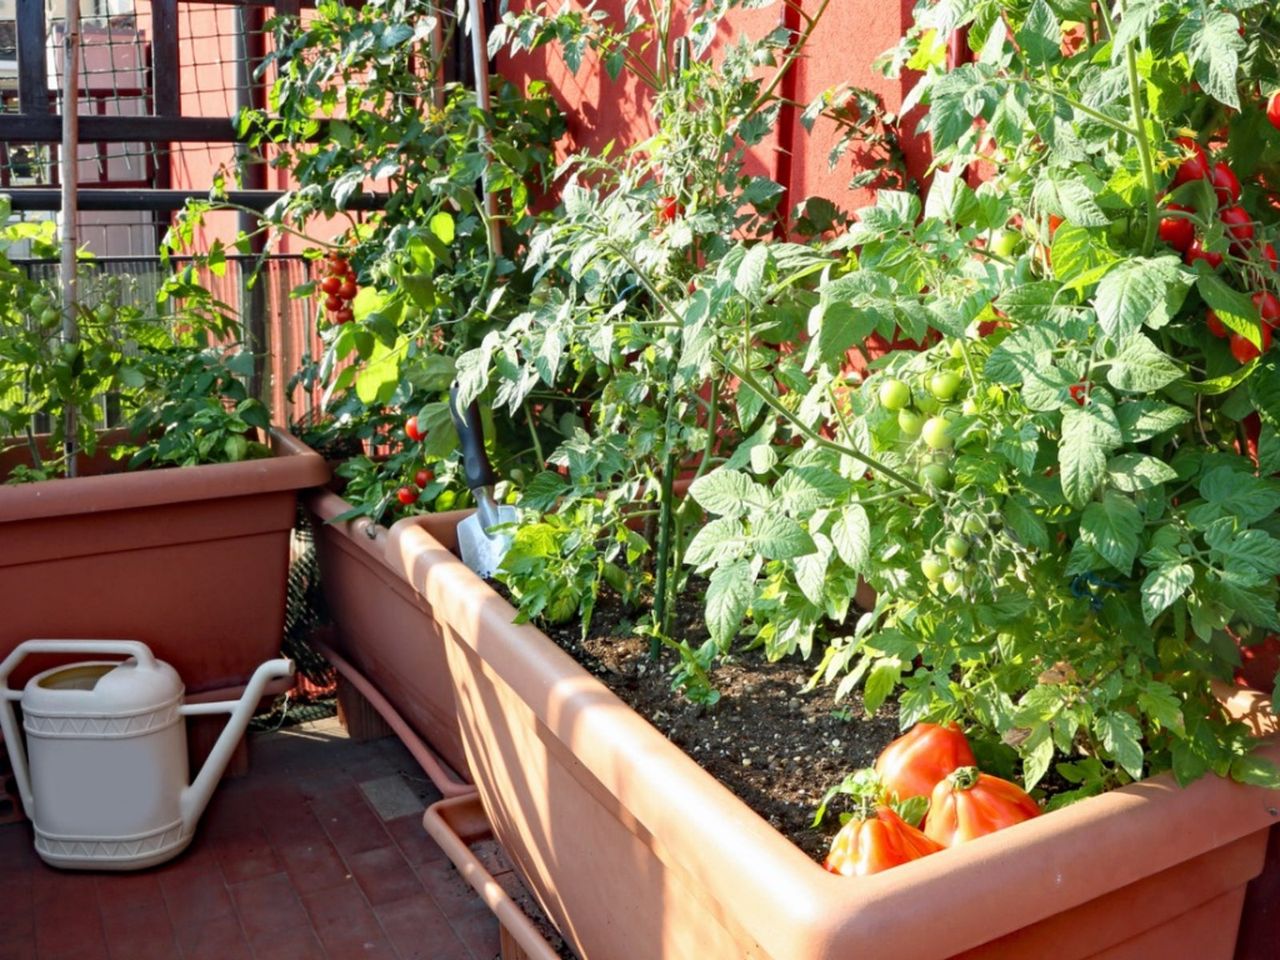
[[318, 853]]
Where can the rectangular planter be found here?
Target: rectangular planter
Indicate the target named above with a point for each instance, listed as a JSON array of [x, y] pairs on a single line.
[[192, 561], [635, 852], [385, 630]]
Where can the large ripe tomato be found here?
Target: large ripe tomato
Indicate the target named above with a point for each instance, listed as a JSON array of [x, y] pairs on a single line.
[[877, 843], [1239, 224], [1268, 308], [1244, 351], [1195, 167], [1215, 325], [969, 804], [918, 760], [1177, 232], [1225, 184], [1197, 252]]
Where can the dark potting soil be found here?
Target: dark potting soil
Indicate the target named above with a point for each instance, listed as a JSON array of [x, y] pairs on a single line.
[[777, 748]]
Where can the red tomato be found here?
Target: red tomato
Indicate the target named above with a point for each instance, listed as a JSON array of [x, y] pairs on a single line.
[[345, 315], [338, 265], [348, 290], [882, 841], [407, 495], [970, 804], [412, 431], [1195, 167], [1269, 255], [668, 209], [1225, 184], [1244, 351], [1216, 326], [1079, 392], [330, 285], [1197, 252], [1055, 222], [422, 477], [914, 763], [1273, 110], [1239, 224], [1268, 307], [1177, 232], [332, 303]]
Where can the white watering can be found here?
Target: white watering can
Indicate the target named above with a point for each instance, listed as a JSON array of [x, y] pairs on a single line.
[[104, 774]]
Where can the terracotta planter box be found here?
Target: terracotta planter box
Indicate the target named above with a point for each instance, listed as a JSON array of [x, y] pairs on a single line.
[[635, 852], [384, 628], [192, 561]]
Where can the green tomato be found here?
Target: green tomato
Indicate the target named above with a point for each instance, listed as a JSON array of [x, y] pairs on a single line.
[[957, 350], [1006, 243], [970, 408], [936, 433], [934, 567], [910, 423], [105, 312], [925, 401], [945, 384], [974, 525], [934, 476], [894, 395], [957, 547], [446, 500], [952, 582], [49, 317]]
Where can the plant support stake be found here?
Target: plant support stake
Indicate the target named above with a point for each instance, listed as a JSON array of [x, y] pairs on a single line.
[[67, 164], [480, 61]]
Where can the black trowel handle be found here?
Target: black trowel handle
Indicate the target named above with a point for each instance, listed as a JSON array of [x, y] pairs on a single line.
[[475, 462]]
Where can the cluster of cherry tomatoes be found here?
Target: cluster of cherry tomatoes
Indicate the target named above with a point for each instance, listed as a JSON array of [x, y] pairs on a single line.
[[339, 288], [1178, 230], [933, 761], [407, 494]]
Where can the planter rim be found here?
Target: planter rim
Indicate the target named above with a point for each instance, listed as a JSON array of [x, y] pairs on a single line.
[[1035, 869], [294, 466]]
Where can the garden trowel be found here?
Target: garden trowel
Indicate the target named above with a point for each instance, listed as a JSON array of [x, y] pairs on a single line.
[[481, 550]]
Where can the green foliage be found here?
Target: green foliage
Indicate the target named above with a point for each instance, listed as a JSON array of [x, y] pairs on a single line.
[[150, 364]]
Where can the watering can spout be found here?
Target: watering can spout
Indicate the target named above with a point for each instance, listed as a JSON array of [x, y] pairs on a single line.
[[196, 797]]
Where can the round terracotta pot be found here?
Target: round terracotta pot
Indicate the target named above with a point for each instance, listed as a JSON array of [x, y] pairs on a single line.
[[635, 852], [192, 561]]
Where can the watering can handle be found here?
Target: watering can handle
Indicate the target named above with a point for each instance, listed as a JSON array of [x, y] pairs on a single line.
[[128, 648]]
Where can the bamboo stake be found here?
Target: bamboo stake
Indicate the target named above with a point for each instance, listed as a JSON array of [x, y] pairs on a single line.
[[68, 164]]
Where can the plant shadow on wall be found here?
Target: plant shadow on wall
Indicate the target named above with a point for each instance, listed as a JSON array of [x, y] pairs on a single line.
[[1065, 504]]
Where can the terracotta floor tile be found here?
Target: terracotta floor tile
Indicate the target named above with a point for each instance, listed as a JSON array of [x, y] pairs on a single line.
[[345, 923], [65, 925], [140, 934], [218, 939], [414, 842], [298, 943], [125, 892], [15, 947], [194, 896], [231, 811], [86, 951], [449, 890], [419, 930], [479, 933], [313, 864], [246, 855], [384, 875], [48, 884], [350, 823], [267, 905]]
